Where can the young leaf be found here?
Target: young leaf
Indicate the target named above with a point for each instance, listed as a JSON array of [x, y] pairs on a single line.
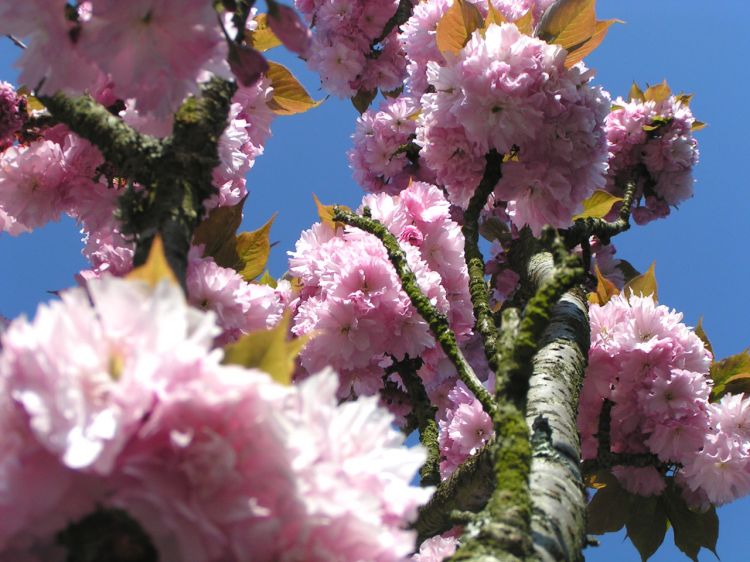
[[325, 212], [647, 525], [217, 234], [658, 93], [697, 126], [636, 93], [268, 351], [253, 249], [267, 279], [525, 23], [701, 333], [684, 99], [568, 22], [693, 530], [289, 96], [262, 38], [493, 16], [724, 373], [605, 289], [456, 26], [156, 267], [598, 205], [643, 285], [576, 54]]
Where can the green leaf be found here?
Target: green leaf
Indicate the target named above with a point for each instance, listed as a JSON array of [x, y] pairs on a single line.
[[262, 38], [456, 26], [609, 509], [693, 530], [156, 267], [253, 249], [362, 100], [289, 96], [725, 371], [647, 524], [217, 234], [643, 285], [598, 205], [268, 351]]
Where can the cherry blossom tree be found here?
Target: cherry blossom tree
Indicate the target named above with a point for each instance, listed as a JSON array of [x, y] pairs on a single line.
[[180, 404]]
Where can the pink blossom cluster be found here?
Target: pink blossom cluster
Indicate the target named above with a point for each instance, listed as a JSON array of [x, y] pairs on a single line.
[[464, 428], [153, 51], [352, 298], [12, 114], [654, 370], [61, 173], [437, 548], [240, 307], [652, 143], [112, 397], [379, 157], [345, 52], [509, 92], [242, 142], [418, 33]]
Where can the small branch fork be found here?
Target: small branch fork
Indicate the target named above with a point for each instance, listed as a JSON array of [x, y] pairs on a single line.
[[175, 171], [580, 232], [605, 458]]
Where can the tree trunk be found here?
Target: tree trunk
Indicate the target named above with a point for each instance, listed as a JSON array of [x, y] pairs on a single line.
[[556, 486]]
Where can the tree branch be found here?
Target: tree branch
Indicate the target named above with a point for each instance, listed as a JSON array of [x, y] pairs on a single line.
[[424, 412], [603, 230], [437, 321], [485, 323]]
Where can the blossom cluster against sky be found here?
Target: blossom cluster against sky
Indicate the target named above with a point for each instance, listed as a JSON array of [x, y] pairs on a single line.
[[699, 250]]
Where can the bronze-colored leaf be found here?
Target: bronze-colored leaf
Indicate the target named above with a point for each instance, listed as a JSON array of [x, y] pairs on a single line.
[[643, 285], [605, 289], [289, 96], [262, 38], [576, 54], [456, 26], [156, 267]]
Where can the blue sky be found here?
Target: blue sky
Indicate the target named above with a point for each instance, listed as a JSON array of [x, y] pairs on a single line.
[[700, 250]]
